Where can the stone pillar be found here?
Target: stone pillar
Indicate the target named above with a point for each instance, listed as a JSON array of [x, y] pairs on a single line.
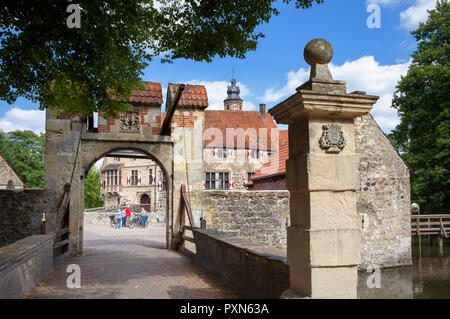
[[323, 244], [187, 132]]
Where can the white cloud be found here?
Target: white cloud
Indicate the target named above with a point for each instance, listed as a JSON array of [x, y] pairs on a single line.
[[217, 92], [363, 74], [294, 80], [411, 17], [20, 119]]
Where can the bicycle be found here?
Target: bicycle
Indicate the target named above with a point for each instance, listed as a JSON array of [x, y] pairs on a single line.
[[112, 219], [135, 221]]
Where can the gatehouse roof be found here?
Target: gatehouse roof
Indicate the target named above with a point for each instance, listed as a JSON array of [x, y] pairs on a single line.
[[192, 96], [152, 94]]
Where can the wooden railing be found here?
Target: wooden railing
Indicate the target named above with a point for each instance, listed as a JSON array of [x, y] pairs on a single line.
[[61, 234], [186, 210], [436, 224]]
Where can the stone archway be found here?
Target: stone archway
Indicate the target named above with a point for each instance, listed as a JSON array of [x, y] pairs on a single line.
[[92, 151], [71, 150]]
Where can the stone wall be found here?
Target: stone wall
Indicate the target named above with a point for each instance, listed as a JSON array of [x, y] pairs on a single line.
[[21, 212], [24, 264], [259, 216], [383, 198], [101, 218], [242, 264], [383, 202], [251, 269], [160, 213]]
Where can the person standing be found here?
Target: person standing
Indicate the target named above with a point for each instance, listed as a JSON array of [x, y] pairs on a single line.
[[123, 215], [143, 217], [128, 215], [119, 219]]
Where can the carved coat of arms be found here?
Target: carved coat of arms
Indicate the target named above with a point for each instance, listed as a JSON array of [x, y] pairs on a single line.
[[129, 122], [332, 140]]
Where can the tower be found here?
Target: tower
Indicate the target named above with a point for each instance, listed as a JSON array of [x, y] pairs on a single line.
[[233, 102]]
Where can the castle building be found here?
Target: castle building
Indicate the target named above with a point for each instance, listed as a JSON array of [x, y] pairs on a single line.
[[236, 143], [135, 181]]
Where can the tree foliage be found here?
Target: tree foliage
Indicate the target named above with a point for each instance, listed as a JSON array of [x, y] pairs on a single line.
[[422, 100], [24, 151], [77, 70], [92, 198]]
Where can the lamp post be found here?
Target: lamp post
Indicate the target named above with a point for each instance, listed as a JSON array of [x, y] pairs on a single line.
[[415, 208]]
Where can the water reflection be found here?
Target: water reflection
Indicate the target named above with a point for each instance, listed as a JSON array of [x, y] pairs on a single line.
[[428, 277]]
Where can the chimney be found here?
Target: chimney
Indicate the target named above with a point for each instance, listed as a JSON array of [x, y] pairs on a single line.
[[262, 111]]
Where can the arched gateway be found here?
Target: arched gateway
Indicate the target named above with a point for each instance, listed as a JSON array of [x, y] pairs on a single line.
[[73, 145]]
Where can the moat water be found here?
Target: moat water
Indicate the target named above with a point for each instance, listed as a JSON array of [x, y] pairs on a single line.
[[428, 277]]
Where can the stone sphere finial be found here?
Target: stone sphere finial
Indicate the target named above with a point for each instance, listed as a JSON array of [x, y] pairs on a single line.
[[318, 51]]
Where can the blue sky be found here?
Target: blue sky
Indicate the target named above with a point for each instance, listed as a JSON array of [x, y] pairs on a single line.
[[369, 59]]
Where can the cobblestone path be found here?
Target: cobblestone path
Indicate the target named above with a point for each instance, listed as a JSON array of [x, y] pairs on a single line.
[[131, 263]]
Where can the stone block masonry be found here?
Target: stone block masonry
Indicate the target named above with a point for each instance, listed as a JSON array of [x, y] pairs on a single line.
[[383, 198], [251, 269], [21, 213], [242, 264], [259, 216], [24, 264]]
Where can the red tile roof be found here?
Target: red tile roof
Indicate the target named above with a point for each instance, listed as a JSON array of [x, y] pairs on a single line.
[[246, 120], [277, 162], [193, 95], [152, 94], [257, 130]]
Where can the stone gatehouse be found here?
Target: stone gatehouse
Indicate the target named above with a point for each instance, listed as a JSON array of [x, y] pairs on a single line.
[[383, 200]]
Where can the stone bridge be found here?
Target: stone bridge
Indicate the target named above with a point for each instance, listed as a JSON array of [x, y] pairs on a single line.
[[324, 235]]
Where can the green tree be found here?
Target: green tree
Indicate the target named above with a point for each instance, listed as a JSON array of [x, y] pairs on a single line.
[[24, 151], [422, 100], [77, 70], [92, 196]]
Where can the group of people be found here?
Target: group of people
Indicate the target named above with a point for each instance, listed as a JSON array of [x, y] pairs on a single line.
[[123, 217]]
